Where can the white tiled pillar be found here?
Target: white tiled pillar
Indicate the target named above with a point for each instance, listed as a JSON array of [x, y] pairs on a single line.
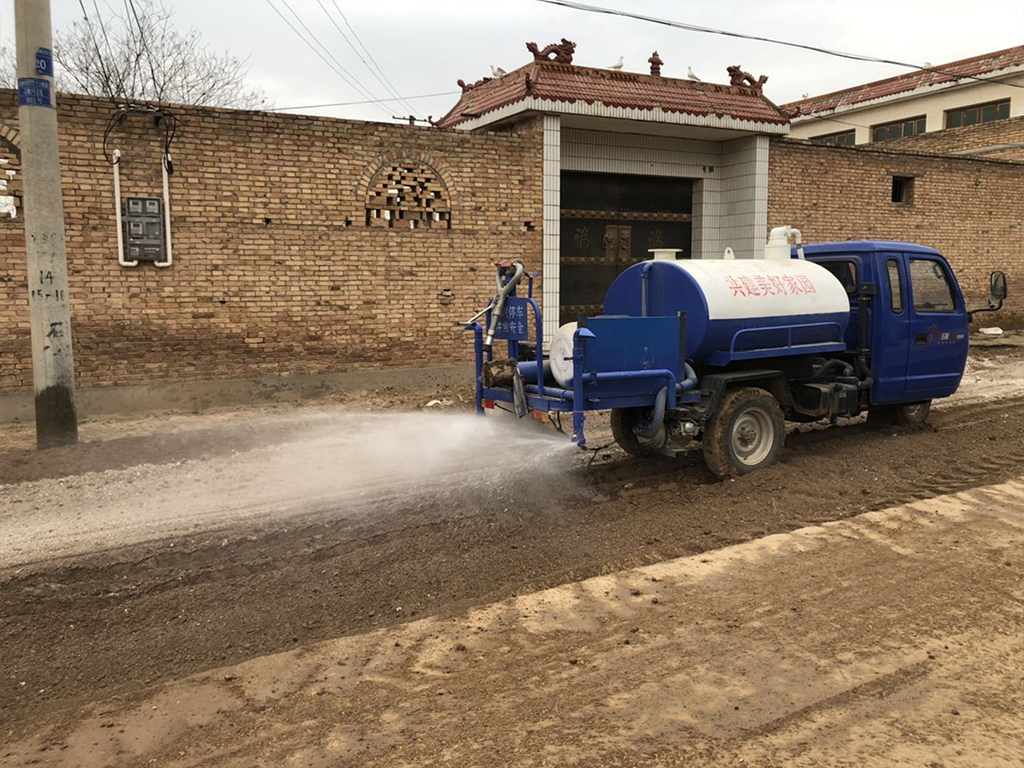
[[707, 218], [744, 196], [552, 223]]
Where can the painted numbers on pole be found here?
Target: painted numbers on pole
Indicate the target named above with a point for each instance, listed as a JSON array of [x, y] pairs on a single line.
[[34, 92], [44, 62]]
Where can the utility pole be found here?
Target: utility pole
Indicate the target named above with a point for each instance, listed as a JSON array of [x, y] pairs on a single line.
[[53, 369]]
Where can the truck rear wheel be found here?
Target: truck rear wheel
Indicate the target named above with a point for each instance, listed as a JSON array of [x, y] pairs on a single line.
[[745, 434], [623, 421]]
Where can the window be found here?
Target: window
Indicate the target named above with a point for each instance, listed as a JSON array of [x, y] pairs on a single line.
[[842, 139], [895, 286], [903, 189], [931, 288], [898, 130], [979, 113], [845, 272]]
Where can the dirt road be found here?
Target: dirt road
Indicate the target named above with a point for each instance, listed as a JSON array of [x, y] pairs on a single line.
[[889, 639], [101, 613]]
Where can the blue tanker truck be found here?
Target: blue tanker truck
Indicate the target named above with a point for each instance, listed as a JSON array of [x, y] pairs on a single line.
[[725, 351]]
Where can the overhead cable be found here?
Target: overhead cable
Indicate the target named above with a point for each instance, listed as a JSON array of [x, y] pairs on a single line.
[[804, 46]]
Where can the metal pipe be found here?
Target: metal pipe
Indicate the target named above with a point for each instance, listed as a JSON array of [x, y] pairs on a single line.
[[117, 213], [499, 301], [691, 378], [650, 428], [478, 350], [167, 214], [645, 276]]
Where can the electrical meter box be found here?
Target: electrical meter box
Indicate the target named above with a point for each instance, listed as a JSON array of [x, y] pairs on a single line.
[[144, 223]]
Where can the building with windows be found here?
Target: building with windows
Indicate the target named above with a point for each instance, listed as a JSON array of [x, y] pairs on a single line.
[[974, 91]]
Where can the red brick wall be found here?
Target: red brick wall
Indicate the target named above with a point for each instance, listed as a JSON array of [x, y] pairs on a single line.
[[313, 291], [985, 137], [971, 211]]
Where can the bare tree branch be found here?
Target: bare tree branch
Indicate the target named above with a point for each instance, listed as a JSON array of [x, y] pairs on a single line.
[[137, 54]]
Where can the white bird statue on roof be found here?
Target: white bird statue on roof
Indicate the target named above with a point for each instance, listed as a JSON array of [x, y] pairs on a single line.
[[691, 76], [617, 64], [497, 71]]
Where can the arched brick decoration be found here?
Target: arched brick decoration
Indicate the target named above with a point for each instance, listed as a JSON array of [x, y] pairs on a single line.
[[10, 138], [408, 192]]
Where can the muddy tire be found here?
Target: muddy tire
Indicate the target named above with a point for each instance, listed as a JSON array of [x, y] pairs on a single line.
[[912, 414], [746, 433], [907, 415], [623, 421]]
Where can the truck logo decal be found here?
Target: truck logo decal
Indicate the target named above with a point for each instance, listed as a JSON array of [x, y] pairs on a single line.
[[943, 338]]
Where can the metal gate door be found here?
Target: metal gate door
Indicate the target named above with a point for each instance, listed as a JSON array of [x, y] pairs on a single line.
[[609, 222]]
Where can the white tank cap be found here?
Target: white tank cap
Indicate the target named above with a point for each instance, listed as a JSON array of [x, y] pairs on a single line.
[[664, 254], [778, 246]]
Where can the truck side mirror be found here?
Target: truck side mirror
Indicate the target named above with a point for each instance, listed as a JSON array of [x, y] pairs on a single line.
[[997, 281]]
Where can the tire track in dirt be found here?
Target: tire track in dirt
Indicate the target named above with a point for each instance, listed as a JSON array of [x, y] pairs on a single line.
[[127, 619]]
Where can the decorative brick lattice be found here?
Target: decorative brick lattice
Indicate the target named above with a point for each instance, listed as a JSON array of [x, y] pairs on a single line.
[[408, 194]]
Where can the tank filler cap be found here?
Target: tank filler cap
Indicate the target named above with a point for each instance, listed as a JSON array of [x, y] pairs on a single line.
[[778, 246], [665, 254]]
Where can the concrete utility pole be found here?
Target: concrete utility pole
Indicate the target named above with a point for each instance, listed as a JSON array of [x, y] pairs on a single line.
[[52, 363]]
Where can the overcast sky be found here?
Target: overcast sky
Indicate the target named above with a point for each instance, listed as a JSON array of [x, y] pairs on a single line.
[[424, 46]]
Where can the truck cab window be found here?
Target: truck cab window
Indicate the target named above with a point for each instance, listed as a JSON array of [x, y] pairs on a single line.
[[930, 285], [895, 286], [845, 272]]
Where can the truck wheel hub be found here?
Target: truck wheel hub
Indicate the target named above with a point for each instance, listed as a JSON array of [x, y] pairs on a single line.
[[752, 436]]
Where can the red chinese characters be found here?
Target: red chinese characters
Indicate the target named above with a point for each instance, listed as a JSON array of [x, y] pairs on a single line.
[[770, 285]]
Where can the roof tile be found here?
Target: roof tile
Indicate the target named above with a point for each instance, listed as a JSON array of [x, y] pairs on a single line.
[[567, 83], [951, 72]]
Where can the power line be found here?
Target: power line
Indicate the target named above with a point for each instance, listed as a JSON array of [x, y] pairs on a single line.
[[363, 91], [712, 31], [355, 50], [99, 56], [314, 50], [157, 88], [122, 92], [386, 80], [347, 41], [371, 101]]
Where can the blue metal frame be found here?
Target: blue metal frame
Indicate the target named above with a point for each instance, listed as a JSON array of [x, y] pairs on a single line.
[[586, 393]]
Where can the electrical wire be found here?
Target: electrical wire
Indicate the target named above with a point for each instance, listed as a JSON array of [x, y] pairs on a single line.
[[121, 91], [161, 115], [99, 56], [371, 101], [386, 81], [157, 89], [340, 69], [712, 31]]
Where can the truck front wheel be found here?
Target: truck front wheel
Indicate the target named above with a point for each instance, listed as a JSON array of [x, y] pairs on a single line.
[[906, 415], [745, 434]]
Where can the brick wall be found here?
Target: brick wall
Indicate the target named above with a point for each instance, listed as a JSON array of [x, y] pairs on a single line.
[[970, 210], [991, 141], [276, 269]]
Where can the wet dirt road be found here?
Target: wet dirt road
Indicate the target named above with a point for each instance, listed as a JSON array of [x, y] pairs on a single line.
[[892, 638], [119, 624]]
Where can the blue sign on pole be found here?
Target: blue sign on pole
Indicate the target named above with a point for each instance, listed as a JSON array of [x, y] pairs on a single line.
[[513, 321], [34, 92], [44, 62]]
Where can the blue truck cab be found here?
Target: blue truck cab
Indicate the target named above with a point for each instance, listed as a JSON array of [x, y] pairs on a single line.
[[723, 352], [917, 321]]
